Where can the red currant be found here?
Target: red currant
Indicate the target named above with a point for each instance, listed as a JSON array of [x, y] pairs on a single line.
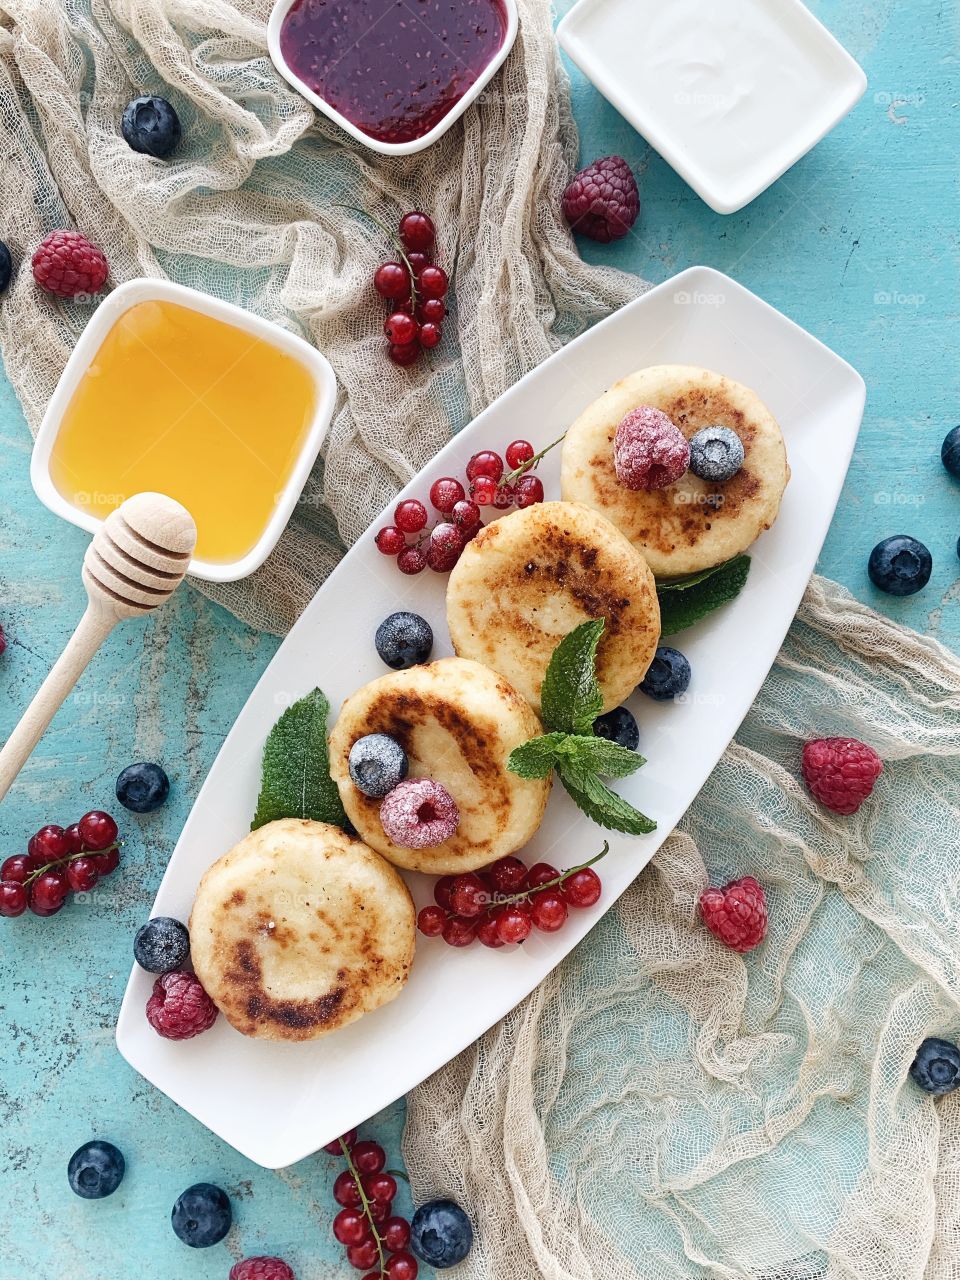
[[48, 893], [465, 514], [549, 911], [541, 873], [458, 932], [396, 1234], [369, 1157], [582, 888], [97, 829], [392, 281], [445, 493], [380, 1210], [519, 452], [430, 335], [48, 845], [431, 311], [433, 283], [74, 838], [514, 922], [82, 874], [410, 515], [401, 328], [431, 920], [507, 874], [504, 497], [443, 892], [346, 1191], [404, 355], [17, 868], [417, 231], [107, 862], [483, 491], [485, 463], [390, 540], [363, 1255], [13, 898], [334, 1148], [470, 896], [350, 1226], [488, 931], [528, 491], [446, 543], [402, 1266], [380, 1186], [417, 263], [411, 560]]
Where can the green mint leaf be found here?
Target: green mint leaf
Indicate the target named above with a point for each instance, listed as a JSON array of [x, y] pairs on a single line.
[[296, 780], [599, 755], [601, 804], [570, 699], [681, 609], [537, 757], [691, 579]]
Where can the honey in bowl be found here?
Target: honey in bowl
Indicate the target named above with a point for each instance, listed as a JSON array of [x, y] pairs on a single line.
[[181, 403]]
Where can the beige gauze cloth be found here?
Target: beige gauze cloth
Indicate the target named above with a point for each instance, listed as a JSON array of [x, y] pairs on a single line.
[[660, 1107]]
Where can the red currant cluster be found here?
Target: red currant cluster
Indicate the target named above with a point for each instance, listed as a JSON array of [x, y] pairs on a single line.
[[506, 902], [416, 289], [57, 861], [373, 1235], [440, 547]]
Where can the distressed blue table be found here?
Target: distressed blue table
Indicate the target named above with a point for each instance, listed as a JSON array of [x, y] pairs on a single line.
[[857, 243]]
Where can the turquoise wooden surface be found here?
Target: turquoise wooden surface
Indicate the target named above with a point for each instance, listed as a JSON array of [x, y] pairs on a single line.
[[858, 243]]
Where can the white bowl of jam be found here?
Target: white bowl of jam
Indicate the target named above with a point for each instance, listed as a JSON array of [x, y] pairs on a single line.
[[172, 391], [395, 74]]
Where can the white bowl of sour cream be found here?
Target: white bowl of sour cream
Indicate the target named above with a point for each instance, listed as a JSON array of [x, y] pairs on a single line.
[[730, 92]]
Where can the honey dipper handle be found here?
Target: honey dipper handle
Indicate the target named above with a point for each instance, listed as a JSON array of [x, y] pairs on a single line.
[[93, 628]]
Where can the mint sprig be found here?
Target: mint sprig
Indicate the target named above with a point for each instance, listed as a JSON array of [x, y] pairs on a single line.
[[687, 601], [296, 781], [570, 701]]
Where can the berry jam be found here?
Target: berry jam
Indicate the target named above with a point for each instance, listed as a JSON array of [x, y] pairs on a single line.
[[393, 68]]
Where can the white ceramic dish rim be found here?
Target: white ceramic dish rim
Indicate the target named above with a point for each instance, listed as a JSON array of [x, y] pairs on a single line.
[[283, 7], [148, 289], [671, 147], [292, 1142]]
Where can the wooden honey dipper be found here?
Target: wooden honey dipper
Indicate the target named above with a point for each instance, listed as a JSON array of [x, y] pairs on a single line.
[[137, 559]]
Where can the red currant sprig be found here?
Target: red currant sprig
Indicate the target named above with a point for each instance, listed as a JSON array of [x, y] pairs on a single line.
[[57, 861], [504, 903], [372, 1234]]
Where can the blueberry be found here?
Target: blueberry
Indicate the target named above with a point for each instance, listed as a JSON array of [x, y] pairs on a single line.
[[377, 763], [950, 452], [441, 1234], [161, 945], [618, 726], [403, 640], [936, 1068], [716, 453], [6, 266], [151, 125], [142, 787], [668, 676], [95, 1170], [202, 1215], [900, 565]]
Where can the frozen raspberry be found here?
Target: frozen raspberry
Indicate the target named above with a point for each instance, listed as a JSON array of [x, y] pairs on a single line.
[[419, 814], [649, 451], [261, 1269], [179, 1007], [66, 264], [736, 914], [840, 772], [603, 201]]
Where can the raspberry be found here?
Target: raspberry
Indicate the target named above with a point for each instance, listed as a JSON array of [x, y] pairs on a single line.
[[602, 201], [419, 814], [66, 264], [3, 640], [840, 772], [649, 451], [179, 1007], [736, 914], [261, 1269]]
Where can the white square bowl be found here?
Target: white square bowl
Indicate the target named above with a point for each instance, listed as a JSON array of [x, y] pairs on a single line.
[[730, 92], [277, 1103], [283, 7], [102, 321]]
